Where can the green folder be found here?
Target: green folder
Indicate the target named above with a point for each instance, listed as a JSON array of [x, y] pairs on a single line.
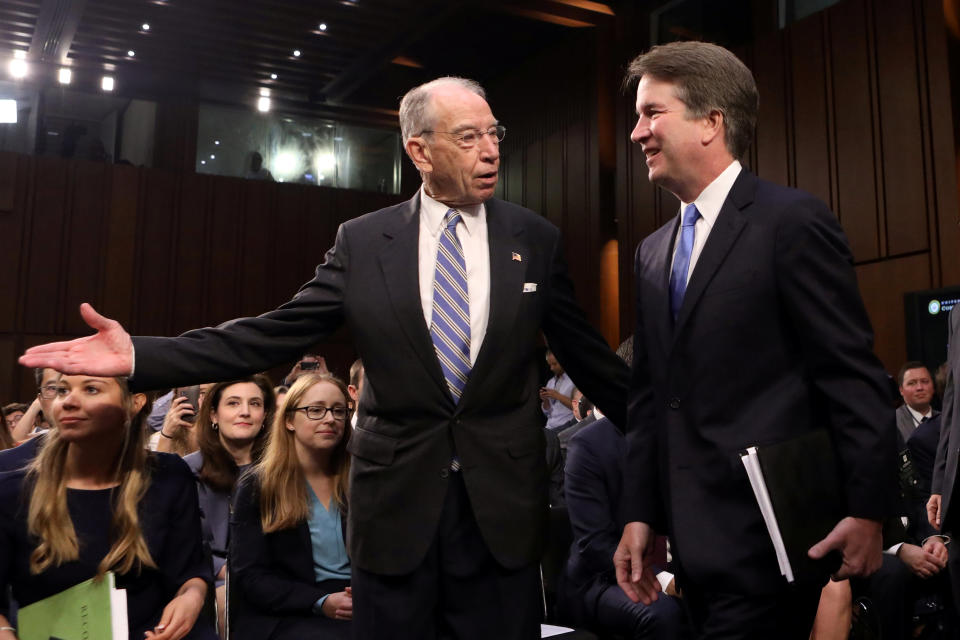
[[91, 610]]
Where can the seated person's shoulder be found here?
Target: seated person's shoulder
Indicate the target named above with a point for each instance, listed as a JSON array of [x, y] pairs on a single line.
[[194, 461], [597, 431], [170, 467]]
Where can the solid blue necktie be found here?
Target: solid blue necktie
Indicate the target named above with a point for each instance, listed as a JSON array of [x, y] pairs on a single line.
[[450, 326], [681, 259]]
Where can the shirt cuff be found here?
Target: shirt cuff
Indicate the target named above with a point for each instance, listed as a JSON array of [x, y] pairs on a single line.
[[894, 549], [317, 607], [133, 362], [664, 578]]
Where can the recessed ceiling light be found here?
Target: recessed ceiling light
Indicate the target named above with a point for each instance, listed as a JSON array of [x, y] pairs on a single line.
[[18, 67], [106, 83], [20, 54], [203, 162], [263, 104], [273, 76], [296, 53], [213, 156], [64, 76], [323, 26], [265, 92], [216, 142], [145, 26], [131, 53]]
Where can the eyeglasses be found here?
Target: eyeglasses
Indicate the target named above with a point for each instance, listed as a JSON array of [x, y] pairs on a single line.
[[472, 137], [49, 392], [319, 413]]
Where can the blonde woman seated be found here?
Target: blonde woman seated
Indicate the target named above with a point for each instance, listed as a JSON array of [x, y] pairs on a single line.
[[231, 430], [95, 500], [289, 569]]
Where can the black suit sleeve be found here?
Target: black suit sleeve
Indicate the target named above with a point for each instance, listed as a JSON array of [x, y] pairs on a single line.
[[584, 354], [819, 292], [641, 501], [249, 345], [949, 398], [595, 531], [253, 567]]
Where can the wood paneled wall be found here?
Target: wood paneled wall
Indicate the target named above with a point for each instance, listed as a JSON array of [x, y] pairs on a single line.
[[160, 251], [552, 162], [854, 108]]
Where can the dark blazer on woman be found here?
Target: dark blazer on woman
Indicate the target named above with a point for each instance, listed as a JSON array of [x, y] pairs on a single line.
[[272, 579]]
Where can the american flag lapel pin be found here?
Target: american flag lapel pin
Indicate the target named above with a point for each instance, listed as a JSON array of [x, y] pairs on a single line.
[[516, 256]]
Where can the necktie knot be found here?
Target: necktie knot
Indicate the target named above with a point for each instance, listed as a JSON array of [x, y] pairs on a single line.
[[690, 215], [452, 219]]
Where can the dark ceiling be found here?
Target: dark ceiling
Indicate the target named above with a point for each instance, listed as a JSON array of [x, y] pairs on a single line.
[[369, 53]]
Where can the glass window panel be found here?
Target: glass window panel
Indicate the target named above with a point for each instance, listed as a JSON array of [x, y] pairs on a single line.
[[302, 150]]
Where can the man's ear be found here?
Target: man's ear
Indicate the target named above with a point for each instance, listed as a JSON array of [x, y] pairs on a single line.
[[139, 400], [418, 150], [714, 125]]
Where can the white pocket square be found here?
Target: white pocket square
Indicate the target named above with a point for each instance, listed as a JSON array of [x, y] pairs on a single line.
[[529, 287]]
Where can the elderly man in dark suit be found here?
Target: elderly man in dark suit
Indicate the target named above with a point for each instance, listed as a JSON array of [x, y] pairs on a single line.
[[750, 330], [446, 296]]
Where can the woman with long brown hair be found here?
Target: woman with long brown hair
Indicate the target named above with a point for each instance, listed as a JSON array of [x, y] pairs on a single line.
[[231, 432], [288, 558], [94, 500]]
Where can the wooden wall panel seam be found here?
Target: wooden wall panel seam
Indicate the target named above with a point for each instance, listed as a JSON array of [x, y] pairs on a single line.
[[926, 143], [25, 194], [877, 117], [788, 113], [830, 115]]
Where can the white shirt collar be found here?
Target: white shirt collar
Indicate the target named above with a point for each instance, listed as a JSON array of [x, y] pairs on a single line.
[[917, 416], [711, 199], [432, 213]]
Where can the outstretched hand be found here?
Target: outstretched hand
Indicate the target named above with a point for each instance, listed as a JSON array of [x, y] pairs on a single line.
[[109, 352]]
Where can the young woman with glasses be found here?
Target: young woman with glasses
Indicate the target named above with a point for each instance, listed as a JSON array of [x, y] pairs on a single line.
[[94, 500], [288, 560]]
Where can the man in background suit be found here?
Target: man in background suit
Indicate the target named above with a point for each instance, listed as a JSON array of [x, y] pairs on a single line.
[[916, 388], [445, 296], [750, 330], [941, 510]]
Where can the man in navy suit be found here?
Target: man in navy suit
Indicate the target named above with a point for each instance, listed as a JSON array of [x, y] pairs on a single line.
[[448, 495], [589, 596], [750, 330]]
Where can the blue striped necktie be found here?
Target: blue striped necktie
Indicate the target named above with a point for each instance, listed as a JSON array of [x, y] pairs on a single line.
[[450, 326], [681, 259]]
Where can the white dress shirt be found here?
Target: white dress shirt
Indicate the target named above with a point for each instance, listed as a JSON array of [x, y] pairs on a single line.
[[472, 233], [709, 203], [917, 416]]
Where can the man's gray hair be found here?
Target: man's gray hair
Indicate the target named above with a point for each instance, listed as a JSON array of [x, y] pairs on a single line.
[[707, 77], [415, 116]]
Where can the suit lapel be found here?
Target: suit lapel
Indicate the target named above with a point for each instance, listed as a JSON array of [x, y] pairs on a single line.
[[506, 286], [725, 231], [399, 262], [660, 268]]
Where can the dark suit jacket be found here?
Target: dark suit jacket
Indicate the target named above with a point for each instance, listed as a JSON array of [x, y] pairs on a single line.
[[271, 575], [594, 485], [948, 449], [772, 341], [906, 423], [408, 427], [22, 455]]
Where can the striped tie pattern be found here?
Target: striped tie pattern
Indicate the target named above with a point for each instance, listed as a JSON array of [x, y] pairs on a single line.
[[450, 326]]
